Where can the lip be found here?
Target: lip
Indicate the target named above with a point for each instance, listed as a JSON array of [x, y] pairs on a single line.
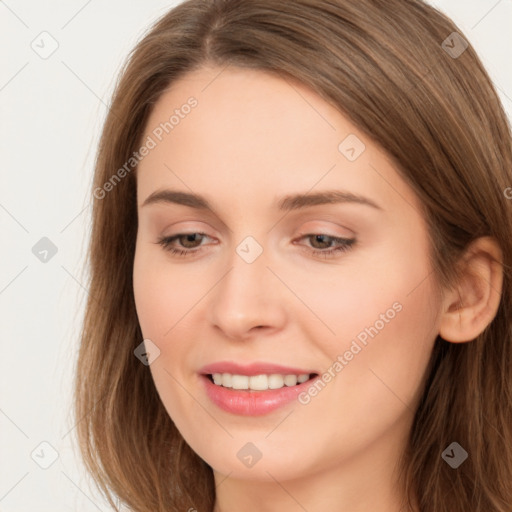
[[248, 402], [256, 368]]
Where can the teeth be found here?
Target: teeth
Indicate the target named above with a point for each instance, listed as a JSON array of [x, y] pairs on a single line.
[[258, 382], [275, 381], [239, 381], [290, 380], [226, 380]]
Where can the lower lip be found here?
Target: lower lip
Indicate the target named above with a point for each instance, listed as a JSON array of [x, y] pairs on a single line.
[[252, 403]]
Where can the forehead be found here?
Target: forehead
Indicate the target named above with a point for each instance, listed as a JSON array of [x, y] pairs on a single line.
[[252, 133], [245, 109]]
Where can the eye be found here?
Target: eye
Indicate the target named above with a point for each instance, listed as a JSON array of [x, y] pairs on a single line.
[[187, 240], [325, 241], [189, 244]]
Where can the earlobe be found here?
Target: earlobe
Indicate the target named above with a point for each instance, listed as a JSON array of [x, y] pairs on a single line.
[[471, 305]]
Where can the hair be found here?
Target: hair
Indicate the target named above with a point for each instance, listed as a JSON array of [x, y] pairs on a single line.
[[382, 64]]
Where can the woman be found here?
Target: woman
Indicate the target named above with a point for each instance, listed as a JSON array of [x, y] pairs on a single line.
[[300, 266]]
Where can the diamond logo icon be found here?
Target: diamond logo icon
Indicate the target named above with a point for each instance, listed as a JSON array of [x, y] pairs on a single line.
[[44, 250], [454, 45], [454, 455], [351, 147], [44, 45], [44, 455], [249, 249], [147, 352], [249, 455]]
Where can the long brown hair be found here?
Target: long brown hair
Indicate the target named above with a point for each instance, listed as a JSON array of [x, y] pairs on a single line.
[[386, 65]]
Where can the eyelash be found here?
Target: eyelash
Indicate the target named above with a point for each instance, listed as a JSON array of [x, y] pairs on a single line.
[[345, 245]]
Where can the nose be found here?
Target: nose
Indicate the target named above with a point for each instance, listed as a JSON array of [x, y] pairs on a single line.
[[248, 300]]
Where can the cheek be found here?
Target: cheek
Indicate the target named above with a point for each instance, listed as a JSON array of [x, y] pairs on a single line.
[[385, 333], [386, 295], [163, 293], [386, 313], [169, 303], [380, 323], [163, 302]]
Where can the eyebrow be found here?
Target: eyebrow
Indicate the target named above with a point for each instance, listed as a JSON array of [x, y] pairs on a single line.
[[286, 203]]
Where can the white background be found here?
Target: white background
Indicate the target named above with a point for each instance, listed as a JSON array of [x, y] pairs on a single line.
[[52, 111]]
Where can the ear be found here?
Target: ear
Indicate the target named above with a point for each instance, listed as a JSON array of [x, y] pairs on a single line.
[[471, 305]]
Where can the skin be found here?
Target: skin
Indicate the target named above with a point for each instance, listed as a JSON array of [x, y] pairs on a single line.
[[252, 139]]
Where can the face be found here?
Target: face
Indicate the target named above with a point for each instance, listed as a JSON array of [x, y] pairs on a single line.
[[291, 297]]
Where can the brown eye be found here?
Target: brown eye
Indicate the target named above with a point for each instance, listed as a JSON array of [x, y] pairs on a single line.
[[183, 243], [327, 246], [188, 240], [324, 241]]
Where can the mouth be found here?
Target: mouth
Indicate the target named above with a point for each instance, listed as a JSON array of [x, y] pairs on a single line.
[[261, 382], [256, 389]]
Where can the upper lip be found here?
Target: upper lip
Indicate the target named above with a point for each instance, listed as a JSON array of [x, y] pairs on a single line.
[[256, 368]]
